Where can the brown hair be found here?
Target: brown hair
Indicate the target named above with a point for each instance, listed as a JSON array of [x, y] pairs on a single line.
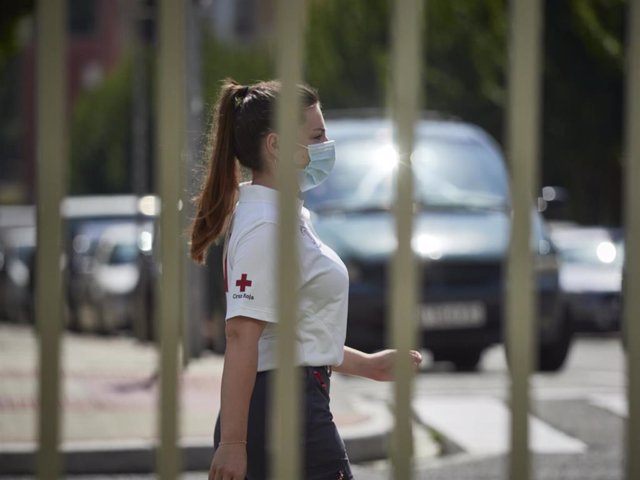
[[242, 117]]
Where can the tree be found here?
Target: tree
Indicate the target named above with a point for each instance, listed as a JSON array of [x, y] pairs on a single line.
[[466, 58], [583, 100], [101, 136], [347, 54]]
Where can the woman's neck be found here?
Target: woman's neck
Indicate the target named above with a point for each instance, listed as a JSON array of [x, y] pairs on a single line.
[[264, 179]]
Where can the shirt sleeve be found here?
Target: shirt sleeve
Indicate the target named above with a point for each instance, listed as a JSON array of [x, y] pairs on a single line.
[[251, 274]]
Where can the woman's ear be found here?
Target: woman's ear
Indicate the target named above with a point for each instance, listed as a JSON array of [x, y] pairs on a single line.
[[271, 144]]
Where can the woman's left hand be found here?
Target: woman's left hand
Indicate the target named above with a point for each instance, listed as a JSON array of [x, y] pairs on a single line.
[[380, 365]]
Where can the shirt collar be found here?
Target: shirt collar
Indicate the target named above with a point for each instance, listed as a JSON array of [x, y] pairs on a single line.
[[250, 193]]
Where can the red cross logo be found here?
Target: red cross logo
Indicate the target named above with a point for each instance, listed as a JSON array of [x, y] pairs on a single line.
[[243, 282]]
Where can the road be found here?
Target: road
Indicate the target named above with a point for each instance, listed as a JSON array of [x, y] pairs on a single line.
[[577, 418]]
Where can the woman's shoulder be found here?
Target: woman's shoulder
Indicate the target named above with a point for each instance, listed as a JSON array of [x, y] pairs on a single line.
[[258, 227]]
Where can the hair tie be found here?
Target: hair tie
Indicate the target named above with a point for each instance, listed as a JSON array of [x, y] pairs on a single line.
[[240, 94]]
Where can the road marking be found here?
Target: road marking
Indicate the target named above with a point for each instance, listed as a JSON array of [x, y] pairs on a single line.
[[613, 402], [480, 425]]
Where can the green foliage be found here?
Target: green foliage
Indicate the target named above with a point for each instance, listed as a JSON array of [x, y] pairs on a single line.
[[101, 136], [348, 55], [11, 13], [348, 46], [466, 60], [347, 59], [244, 63], [583, 100], [347, 52]]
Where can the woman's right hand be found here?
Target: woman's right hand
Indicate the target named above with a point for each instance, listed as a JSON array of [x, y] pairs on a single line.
[[229, 463]]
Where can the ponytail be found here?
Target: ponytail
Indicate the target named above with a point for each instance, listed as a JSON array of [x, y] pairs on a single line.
[[219, 191]]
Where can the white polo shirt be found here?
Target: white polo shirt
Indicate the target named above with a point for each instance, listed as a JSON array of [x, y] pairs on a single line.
[[250, 281]]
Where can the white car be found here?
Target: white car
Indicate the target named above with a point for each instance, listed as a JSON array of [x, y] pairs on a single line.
[[17, 257], [591, 275], [116, 275]]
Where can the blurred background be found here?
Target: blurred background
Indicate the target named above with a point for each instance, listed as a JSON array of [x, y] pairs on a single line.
[[462, 221]]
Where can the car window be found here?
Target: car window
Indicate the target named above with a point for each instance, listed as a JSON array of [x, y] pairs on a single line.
[[25, 254], [123, 253], [447, 174]]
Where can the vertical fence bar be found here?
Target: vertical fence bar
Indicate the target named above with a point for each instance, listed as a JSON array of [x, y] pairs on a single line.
[[287, 432], [171, 92], [522, 146], [407, 23], [52, 148], [195, 286], [632, 239]]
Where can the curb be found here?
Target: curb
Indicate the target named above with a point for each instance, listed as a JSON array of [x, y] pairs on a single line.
[[370, 440], [364, 442], [105, 460]]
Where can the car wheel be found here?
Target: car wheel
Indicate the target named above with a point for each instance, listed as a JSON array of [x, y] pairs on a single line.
[[103, 325], [553, 354]]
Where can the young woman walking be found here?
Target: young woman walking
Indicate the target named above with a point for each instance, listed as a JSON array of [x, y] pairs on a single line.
[[246, 216]]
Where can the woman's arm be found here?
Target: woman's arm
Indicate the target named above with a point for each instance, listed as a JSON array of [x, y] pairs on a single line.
[[376, 366], [238, 376], [355, 363], [238, 379]]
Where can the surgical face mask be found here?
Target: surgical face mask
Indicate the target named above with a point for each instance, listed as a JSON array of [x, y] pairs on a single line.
[[322, 157]]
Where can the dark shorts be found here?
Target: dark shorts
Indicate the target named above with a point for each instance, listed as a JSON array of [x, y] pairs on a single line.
[[324, 455]]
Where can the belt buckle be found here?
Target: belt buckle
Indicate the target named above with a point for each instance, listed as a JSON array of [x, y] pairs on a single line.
[[329, 370]]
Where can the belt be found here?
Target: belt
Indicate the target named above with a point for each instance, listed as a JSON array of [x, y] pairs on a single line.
[[327, 369]]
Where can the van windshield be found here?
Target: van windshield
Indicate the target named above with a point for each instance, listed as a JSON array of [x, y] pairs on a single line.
[[448, 174]]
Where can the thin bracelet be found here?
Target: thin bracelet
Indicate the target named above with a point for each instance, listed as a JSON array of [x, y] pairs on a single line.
[[239, 442]]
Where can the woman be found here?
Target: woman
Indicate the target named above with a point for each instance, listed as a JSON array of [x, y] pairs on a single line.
[[247, 214]]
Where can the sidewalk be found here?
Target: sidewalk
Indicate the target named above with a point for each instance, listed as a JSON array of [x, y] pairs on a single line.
[[110, 400]]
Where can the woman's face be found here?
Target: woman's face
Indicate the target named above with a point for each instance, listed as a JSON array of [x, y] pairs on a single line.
[[313, 131]]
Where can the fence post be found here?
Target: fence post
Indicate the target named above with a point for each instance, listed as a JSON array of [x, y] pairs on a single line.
[[171, 93], [631, 314], [405, 99], [523, 122], [52, 148], [287, 431]]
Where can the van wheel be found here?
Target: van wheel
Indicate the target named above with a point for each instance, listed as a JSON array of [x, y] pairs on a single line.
[[552, 355]]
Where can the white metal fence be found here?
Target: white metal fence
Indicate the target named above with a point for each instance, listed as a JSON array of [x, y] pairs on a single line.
[[522, 150]]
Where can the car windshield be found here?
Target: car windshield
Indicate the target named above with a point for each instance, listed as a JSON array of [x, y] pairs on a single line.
[[448, 174]]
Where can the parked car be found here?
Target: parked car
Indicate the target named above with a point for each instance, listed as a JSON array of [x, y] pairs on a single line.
[[591, 275], [116, 276], [17, 257], [461, 237], [86, 218]]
